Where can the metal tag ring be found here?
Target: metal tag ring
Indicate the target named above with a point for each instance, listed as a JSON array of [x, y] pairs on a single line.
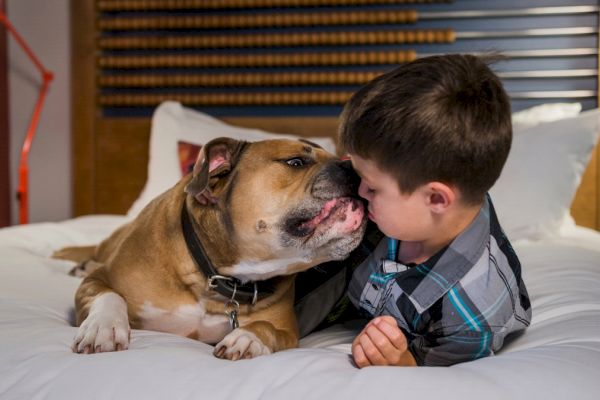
[[210, 281], [231, 306], [231, 310]]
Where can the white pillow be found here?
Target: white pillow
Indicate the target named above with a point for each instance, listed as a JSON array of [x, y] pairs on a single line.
[[545, 113], [533, 195], [173, 123]]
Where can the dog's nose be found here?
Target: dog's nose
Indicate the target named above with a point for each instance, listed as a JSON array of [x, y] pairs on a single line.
[[346, 164], [337, 178], [351, 175], [343, 170]]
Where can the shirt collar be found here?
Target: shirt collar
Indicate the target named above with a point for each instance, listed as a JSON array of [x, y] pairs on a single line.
[[429, 281]]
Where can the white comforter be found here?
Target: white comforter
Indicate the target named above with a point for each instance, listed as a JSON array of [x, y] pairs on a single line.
[[558, 357]]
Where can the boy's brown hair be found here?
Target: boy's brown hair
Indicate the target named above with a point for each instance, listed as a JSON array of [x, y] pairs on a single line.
[[441, 118]]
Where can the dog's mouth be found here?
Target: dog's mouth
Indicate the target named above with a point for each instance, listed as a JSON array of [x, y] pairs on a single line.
[[345, 214]]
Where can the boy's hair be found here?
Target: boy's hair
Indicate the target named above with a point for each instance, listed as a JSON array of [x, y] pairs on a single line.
[[441, 118]]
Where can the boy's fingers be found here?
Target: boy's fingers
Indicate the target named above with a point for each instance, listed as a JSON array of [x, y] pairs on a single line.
[[357, 338], [393, 334], [360, 359], [376, 346], [388, 319], [381, 342]]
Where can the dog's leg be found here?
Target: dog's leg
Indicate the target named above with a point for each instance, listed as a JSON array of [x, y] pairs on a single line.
[[255, 339], [101, 315], [262, 337]]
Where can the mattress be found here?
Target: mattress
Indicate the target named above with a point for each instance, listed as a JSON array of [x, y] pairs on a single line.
[[557, 358]]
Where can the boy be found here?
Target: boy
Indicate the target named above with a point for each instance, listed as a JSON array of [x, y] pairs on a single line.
[[429, 139]]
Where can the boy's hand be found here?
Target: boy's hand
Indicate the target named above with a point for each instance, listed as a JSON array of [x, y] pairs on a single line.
[[381, 342]]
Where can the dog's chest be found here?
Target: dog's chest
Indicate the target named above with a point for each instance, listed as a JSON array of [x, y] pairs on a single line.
[[190, 320]]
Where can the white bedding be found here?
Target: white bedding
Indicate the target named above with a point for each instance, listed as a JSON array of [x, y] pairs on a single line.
[[557, 358]]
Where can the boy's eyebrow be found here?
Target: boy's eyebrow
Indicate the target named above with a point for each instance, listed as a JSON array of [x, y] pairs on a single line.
[[360, 174], [366, 180]]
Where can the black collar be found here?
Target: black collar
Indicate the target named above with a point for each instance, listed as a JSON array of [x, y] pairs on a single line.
[[230, 287]]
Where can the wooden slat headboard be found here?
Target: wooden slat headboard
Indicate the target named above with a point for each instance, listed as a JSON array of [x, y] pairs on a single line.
[[309, 58]]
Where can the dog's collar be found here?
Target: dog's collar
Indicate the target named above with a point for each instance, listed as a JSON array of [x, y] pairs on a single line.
[[230, 287]]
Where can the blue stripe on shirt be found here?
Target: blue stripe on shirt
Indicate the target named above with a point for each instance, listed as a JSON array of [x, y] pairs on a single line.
[[464, 311], [392, 249]]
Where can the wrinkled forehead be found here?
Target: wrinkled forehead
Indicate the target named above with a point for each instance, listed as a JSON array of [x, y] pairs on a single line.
[[281, 148]]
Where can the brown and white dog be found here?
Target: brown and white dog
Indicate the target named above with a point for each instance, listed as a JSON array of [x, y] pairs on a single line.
[[250, 216]]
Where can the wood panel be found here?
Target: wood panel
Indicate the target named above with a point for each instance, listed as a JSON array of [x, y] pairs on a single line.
[[83, 107], [143, 5], [586, 205], [192, 42], [122, 146]]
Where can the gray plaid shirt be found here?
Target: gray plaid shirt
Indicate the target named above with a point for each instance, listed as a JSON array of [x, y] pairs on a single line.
[[457, 306]]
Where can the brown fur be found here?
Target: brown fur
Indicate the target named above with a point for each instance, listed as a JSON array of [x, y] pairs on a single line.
[[147, 262]]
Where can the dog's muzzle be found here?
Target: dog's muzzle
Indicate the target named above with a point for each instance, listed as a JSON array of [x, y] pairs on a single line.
[[346, 214]]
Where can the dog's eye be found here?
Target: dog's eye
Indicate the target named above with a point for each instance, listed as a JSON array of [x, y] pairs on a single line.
[[296, 162]]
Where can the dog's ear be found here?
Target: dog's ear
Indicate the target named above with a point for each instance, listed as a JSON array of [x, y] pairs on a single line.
[[214, 164]]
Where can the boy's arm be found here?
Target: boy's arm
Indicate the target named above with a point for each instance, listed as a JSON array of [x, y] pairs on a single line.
[[434, 349], [382, 342]]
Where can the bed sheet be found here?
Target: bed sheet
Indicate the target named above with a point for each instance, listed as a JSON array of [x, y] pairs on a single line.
[[557, 358]]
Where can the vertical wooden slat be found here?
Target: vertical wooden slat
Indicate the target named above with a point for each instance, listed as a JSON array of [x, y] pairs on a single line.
[[586, 205], [597, 155], [83, 107], [597, 194], [5, 194]]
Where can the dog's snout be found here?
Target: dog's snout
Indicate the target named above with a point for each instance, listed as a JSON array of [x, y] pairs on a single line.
[[336, 178], [346, 166], [345, 163]]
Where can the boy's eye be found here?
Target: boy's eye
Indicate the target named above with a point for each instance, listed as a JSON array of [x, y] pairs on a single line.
[[369, 189]]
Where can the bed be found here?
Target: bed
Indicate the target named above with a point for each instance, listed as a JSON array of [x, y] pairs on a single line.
[[558, 357], [547, 199]]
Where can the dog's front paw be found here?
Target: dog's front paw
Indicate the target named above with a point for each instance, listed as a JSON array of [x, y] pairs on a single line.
[[239, 344], [105, 329]]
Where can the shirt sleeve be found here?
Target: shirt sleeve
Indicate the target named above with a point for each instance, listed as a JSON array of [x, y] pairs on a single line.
[[433, 349]]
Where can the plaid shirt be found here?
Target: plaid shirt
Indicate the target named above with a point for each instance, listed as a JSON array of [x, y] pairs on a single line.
[[457, 306]]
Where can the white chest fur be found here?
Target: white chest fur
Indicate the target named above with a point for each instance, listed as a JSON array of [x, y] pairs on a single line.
[[185, 320], [261, 270]]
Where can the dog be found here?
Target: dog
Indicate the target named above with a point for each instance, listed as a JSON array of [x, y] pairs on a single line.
[[214, 257]]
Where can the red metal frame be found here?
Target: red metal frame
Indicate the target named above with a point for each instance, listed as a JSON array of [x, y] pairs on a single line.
[[47, 76], [5, 193]]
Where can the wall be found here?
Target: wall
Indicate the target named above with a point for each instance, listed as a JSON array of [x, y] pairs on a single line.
[[44, 24]]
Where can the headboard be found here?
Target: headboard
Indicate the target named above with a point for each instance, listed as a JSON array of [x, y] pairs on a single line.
[[289, 65]]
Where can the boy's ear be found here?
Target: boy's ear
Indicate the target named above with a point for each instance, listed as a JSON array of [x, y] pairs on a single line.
[[439, 197]]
